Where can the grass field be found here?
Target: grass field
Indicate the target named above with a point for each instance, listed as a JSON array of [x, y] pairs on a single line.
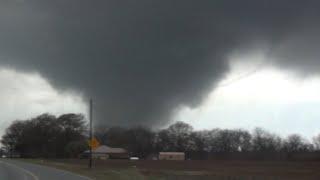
[[189, 170]]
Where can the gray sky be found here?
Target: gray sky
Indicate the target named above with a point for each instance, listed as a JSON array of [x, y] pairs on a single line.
[[142, 61], [25, 95], [253, 96]]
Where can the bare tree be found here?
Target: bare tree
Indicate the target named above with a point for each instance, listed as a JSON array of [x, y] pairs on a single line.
[[176, 138], [316, 142], [140, 141], [264, 141], [295, 143]]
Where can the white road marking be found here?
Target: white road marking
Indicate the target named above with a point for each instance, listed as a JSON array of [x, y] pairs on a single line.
[[68, 172], [65, 171]]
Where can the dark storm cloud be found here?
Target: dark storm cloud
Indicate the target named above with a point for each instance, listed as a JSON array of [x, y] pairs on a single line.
[[140, 60]]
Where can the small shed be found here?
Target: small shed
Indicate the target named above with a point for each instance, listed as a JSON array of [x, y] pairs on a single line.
[[177, 156]]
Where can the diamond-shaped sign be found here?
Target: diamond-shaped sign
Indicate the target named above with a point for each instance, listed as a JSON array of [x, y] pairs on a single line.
[[94, 143]]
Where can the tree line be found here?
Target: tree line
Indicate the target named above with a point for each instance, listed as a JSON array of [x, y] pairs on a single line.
[[66, 136], [181, 137], [47, 136]]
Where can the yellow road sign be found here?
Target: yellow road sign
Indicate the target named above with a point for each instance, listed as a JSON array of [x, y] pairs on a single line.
[[94, 143]]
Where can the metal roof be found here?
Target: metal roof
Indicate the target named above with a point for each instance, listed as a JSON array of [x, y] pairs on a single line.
[[172, 153]]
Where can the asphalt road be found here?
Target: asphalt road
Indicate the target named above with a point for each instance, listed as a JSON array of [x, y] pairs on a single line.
[[16, 170]]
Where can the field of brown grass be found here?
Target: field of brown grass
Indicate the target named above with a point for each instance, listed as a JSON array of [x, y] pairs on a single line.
[[202, 169]]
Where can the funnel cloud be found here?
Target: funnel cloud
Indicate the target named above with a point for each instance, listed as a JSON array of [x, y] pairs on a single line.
[[142, 60]]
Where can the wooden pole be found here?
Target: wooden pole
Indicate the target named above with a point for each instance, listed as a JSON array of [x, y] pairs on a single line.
[[91, 134]]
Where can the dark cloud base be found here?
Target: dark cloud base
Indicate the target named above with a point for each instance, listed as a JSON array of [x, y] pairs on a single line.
[[141, 60]]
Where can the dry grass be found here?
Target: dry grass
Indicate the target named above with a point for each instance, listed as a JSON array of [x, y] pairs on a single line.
[[188, 170]]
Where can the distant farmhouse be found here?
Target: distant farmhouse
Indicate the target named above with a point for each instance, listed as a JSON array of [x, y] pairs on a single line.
[[106, 152], [177, 156]]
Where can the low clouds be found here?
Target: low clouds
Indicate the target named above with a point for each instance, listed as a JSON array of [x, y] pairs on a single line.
[[141, 60], [268, 98], [25, 95]]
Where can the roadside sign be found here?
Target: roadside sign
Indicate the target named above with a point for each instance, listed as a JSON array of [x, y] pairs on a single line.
[[94, 143]]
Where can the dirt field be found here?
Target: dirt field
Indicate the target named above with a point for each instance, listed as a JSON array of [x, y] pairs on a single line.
[[187, 170]]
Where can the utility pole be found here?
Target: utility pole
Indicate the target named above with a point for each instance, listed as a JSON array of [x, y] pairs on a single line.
[[91, 133]]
